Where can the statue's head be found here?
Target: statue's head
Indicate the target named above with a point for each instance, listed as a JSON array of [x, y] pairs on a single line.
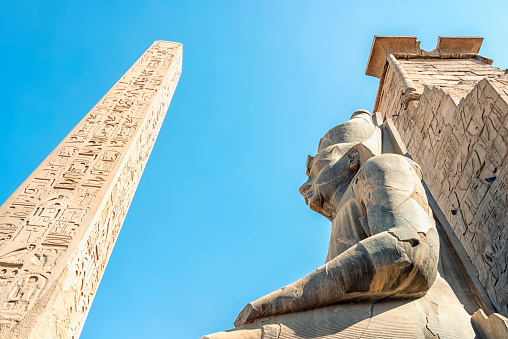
[[341, 152]]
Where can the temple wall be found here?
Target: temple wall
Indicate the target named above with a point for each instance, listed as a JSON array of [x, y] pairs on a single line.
[[456, 129], [455, 77]]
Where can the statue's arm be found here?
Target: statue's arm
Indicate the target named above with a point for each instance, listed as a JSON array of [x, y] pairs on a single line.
[[399, 257], [400, 217]]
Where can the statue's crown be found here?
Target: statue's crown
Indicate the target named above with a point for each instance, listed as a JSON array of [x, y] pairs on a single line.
[[358, 129]]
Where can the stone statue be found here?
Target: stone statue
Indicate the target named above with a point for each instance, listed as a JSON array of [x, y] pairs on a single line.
[[382, 263], [383, 241]]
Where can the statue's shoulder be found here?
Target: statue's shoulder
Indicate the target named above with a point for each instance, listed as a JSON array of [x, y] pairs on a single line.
[[397, 166]]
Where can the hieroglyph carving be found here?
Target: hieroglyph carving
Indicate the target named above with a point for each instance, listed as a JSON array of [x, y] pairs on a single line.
[[58, 229]]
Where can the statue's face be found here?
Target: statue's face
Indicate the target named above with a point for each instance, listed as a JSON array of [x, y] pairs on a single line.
[[330, 174]]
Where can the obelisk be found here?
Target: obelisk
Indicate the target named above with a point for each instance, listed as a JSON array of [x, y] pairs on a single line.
[[59, 227]]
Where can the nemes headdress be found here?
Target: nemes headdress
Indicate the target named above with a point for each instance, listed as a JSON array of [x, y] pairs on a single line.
[[358, 129]]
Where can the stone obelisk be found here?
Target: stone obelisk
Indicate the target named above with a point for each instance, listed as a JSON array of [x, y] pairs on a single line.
[[59, 227]]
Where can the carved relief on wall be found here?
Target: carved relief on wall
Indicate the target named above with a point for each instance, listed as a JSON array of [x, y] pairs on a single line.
[[67, 214]]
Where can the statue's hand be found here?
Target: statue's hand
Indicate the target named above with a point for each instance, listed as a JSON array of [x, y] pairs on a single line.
[[314, 290], [247, 315]]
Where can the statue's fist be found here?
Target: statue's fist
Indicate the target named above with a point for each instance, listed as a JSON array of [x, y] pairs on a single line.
[[247, 315]]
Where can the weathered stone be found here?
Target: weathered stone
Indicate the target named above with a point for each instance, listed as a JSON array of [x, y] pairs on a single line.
[[438, 312], [58, 229], [383, 253], [493, 327], [469, 149], [450, 108]]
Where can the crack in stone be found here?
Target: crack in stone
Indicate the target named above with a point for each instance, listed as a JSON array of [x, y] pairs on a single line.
[[371, 314], [417, 231], [427, 314], [370, 319]]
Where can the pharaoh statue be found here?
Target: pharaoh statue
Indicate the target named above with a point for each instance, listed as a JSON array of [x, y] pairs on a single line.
[[380, 278]]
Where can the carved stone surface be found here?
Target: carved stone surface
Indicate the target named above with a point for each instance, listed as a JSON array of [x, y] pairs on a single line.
[[457, 128], [493, 327], [450, 108], [383, 253], [58, 229], [438, 312]]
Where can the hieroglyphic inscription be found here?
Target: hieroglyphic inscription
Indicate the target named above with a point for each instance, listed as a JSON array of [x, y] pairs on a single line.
[[58, 229], [458, 133]]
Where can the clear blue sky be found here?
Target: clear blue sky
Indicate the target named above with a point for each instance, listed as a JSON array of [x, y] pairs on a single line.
[[217, 220]]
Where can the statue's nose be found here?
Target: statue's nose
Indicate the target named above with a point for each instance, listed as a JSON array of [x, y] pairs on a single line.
[[305, 187]]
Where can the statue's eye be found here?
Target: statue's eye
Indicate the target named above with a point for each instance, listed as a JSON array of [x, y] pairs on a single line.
[[317, 166]]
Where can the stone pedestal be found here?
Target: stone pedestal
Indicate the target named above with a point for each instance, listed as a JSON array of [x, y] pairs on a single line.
[[437, 313]]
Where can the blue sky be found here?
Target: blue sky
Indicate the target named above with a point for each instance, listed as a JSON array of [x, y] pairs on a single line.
[[217, 220]]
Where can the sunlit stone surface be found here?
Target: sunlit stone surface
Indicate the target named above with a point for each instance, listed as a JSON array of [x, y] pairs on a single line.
[[58, 229], [405, 261]]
